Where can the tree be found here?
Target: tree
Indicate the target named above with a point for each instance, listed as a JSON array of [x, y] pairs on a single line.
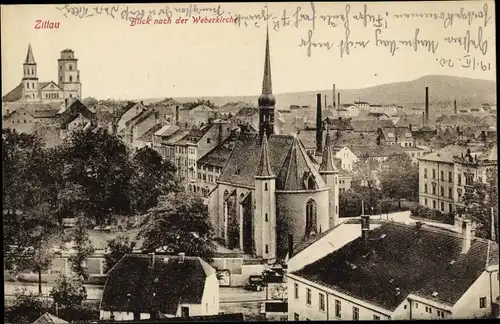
[[180, 223], [399, 178], [98, 168], [153, 176], [118, 247], [365, 173], [83, 249], [27, 308], [481, 201], [69, 292]]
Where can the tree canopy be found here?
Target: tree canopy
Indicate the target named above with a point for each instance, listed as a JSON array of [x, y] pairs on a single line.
[[399, 178]]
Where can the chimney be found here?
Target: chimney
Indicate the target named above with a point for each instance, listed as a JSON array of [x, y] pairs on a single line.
[[177, 115], [338, 102], [467, 234], [455, 106], [151, 264], [423, 118], [427, 104], [326, 102], [290, 246], [219, 135], [182, 256], [319, 124], [333, 106], [142, 102], [365, 227]]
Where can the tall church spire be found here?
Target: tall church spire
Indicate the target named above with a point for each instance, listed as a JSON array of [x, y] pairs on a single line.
[[264, 167], [327, 165], [30, 59], [266, 99]]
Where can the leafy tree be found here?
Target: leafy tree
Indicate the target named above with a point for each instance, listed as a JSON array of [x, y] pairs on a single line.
[[69, 292], [83, 249], [97, 172], [365, 173], [279, 291], [480, 202], [399, 178], [27, 308], [118, 247], [180, 223], [153, 176]]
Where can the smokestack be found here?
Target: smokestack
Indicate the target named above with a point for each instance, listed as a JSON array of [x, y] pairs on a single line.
[[326, 103], [177, 115], [333, 106], [319, 122], [338, 102], [426, 104], [423, 118], [365, 227], [151, 260], [290, 246], [455, 105]]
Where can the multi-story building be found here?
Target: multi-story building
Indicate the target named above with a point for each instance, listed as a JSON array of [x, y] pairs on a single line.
[[129, 111], [397, 271], [396, 135], [444, 175]]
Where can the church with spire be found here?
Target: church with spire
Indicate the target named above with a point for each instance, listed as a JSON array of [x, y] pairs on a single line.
[[32, 91], [270, 189]]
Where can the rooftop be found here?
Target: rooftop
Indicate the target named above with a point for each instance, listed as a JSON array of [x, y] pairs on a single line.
[[399, 260], [220, 154]]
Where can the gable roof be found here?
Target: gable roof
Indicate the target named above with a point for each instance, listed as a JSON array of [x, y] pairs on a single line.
[[42, 85], [148, 135], [48, 318], [167, 130], [287, 158], [373, 151], [384, 270], [219, 155], [399, 133], [361, 125], [15, 94], [140, 117], [195, 135], [447, 153], [132, 285], [73, 111]]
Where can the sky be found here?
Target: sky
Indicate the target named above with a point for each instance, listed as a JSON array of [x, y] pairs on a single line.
[[120, 61]]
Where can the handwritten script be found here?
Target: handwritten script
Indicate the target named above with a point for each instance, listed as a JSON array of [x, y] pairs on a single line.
[[462, 31]]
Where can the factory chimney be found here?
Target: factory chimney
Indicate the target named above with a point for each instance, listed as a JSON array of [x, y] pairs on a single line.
[[319, 124], [333, 106], [177, 115], [455, 105], [338, 103], [427, 104]]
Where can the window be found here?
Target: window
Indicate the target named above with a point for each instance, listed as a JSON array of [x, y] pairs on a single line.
[[440, 313], [425, 188], [184, 311], [338, 309], [442, 175], [459, 179], [416, 305], [70, 78], [308, 296], [296, 290], [425, 201], [450, 208], [442, 191], [450, 192], [267, 249], [482, 302], [469, 179], [434, 204], [355, 313], [71, 67], [265, 186], [428, 310], [450, 177], [442, 206], [434, 189], [425, 173], [296, 317], [433, 174], [376, 317], [459, 192], [321, 302], [266, 217], [208, 140], [310, 217]]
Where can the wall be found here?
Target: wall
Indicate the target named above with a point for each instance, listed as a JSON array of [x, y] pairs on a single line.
[[347, 157], [468, 305], [121, 316], [20, 120], [438, 167], [131, 113], [210, 299]]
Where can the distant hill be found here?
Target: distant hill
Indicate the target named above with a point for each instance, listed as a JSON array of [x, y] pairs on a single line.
[[442, 91]]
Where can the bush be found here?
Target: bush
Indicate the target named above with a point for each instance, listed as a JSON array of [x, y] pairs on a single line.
[[69, 292], [424, 212], [26, 308], [79, 314], [95, 280]]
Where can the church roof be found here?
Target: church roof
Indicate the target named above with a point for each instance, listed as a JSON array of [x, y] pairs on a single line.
[[30, 59], [264, 168], [327, 164], [15, 94]]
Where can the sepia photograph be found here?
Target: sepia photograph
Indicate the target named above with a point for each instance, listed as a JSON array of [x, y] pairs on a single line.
[[267, 161]]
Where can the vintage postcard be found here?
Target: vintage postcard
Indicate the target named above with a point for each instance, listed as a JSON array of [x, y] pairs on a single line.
[[249, 161]]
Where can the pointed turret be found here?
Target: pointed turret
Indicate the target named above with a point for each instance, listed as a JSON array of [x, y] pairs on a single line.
[[30, 59], [327, 165], [266, 99], [264, 167]]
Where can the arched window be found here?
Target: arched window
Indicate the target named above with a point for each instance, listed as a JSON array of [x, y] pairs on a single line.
[[311, 217], [70, 78], [310, 183], [71, 67]]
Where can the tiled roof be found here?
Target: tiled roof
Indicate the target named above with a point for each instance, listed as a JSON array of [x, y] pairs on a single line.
[[399, 132], [15, 94], [327, 162], [339, 123], [140, 117], [133, 286], [178, 135], [72, 112], [263, 167], [195, 135], [167, 130], [446, 154], [220, 154], [369, 125], [52, 113], [148, 135], [48, 318], [376, 150], [400, 260], [353, 138]]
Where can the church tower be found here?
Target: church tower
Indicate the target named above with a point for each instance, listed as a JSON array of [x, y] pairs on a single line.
[[30, 79], [329, 173], [265, 207], [266, 99], [69, 75]]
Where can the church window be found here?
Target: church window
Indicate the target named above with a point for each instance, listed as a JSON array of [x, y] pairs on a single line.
[[311, 210], [60, 78], [310, 183], [265, 186], [70, 78], [266, 218], [71, 67], [267, 249]]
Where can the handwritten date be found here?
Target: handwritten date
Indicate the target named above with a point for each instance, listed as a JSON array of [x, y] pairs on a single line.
[[466, 62]]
